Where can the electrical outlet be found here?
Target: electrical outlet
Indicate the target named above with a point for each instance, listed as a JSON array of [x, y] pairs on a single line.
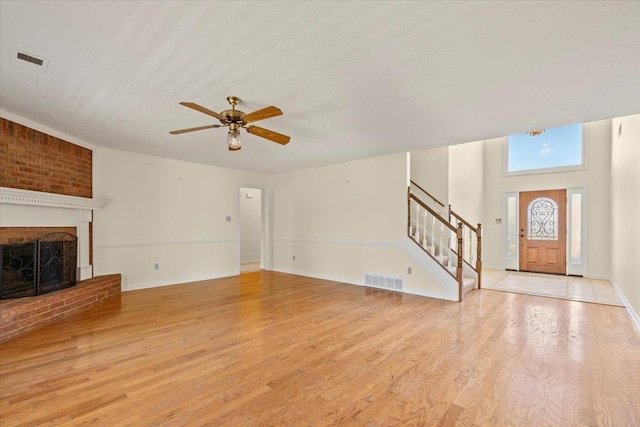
[[228, 218], [408, 270], [498, 220], [156, 266], [294, 257]]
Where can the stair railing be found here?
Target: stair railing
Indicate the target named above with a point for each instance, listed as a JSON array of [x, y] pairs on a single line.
[[435, 236], [472, 237], [431, 200]]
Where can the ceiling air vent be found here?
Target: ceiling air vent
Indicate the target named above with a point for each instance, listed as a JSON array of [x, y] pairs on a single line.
[[27, 60]]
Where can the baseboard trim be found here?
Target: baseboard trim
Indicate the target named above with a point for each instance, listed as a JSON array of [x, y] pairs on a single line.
[[632, 313], [150, 285], [420, 293], [408, 291], [492, 267], [597, 277], [321, 276]]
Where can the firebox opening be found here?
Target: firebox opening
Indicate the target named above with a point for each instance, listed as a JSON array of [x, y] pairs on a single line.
[[38, 267]]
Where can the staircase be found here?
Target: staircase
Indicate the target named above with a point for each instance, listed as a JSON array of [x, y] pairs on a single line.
[[440, 238]]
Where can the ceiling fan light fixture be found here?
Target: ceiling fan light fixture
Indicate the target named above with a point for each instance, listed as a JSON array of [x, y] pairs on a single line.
[[234, 140], [235, 119]]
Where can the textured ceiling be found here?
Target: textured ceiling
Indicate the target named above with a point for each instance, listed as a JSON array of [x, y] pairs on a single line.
[[354, 79]]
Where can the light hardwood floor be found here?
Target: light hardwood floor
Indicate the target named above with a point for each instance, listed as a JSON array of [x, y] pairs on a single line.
[[276, 349]]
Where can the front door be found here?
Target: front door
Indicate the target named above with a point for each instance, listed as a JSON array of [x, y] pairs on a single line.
[[543, 231]]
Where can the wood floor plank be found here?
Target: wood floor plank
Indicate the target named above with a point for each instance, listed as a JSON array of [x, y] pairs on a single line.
[[269, 348]]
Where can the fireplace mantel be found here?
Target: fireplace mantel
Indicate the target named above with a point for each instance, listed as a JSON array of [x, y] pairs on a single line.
[[36, 198], [26, 208]]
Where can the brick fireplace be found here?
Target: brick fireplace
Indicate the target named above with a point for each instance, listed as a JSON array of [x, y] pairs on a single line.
[[47, 187], [26, 215]]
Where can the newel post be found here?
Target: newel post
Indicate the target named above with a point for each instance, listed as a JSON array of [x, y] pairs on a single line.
[[459, 274], [479, 255]]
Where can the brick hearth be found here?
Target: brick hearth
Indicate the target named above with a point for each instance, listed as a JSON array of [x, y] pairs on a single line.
[[22, 315]]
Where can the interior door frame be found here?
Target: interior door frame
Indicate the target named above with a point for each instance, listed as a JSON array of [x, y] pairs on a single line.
[[571, 269], [266, 259]]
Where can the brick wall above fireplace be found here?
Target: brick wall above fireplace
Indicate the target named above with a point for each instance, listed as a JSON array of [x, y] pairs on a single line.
[[33, 160]]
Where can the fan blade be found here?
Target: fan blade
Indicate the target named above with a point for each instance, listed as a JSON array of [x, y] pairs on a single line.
[[265, 113], [269, 134], [176, 132], [202, 110]]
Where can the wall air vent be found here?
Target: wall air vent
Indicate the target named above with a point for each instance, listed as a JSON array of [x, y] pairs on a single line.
[[384, 282], [28, 60]]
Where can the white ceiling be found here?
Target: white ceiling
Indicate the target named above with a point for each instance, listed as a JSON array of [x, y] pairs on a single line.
[[354, 79]]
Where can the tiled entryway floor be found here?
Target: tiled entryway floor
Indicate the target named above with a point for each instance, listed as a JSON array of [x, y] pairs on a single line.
[[549, 285]]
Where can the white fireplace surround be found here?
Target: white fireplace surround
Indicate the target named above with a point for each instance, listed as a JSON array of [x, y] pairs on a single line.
[[25, 208]]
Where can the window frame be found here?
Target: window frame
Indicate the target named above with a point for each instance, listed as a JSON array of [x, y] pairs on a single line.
[[582, 166]]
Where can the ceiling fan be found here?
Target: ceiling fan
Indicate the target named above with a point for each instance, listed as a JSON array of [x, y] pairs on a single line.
[[236, 119]]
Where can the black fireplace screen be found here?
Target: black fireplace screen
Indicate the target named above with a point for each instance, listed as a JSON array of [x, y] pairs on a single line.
[[38, 267]]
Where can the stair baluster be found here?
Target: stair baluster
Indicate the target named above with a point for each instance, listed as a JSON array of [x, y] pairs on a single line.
[[425, 243]]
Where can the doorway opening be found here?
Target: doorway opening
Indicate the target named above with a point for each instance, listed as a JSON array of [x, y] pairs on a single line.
[[545, 232], [252, 231], [563, 213]]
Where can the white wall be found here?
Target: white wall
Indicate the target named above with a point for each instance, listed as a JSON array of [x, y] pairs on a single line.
[[430, 169], [250, 224], [597, 178], [625, 209], [466, 180], [343, 220], [168, 212]]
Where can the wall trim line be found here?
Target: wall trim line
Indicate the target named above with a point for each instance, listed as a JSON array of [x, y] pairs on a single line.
[[184, 281], [634, 316], [392, 244], [140, 244]]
